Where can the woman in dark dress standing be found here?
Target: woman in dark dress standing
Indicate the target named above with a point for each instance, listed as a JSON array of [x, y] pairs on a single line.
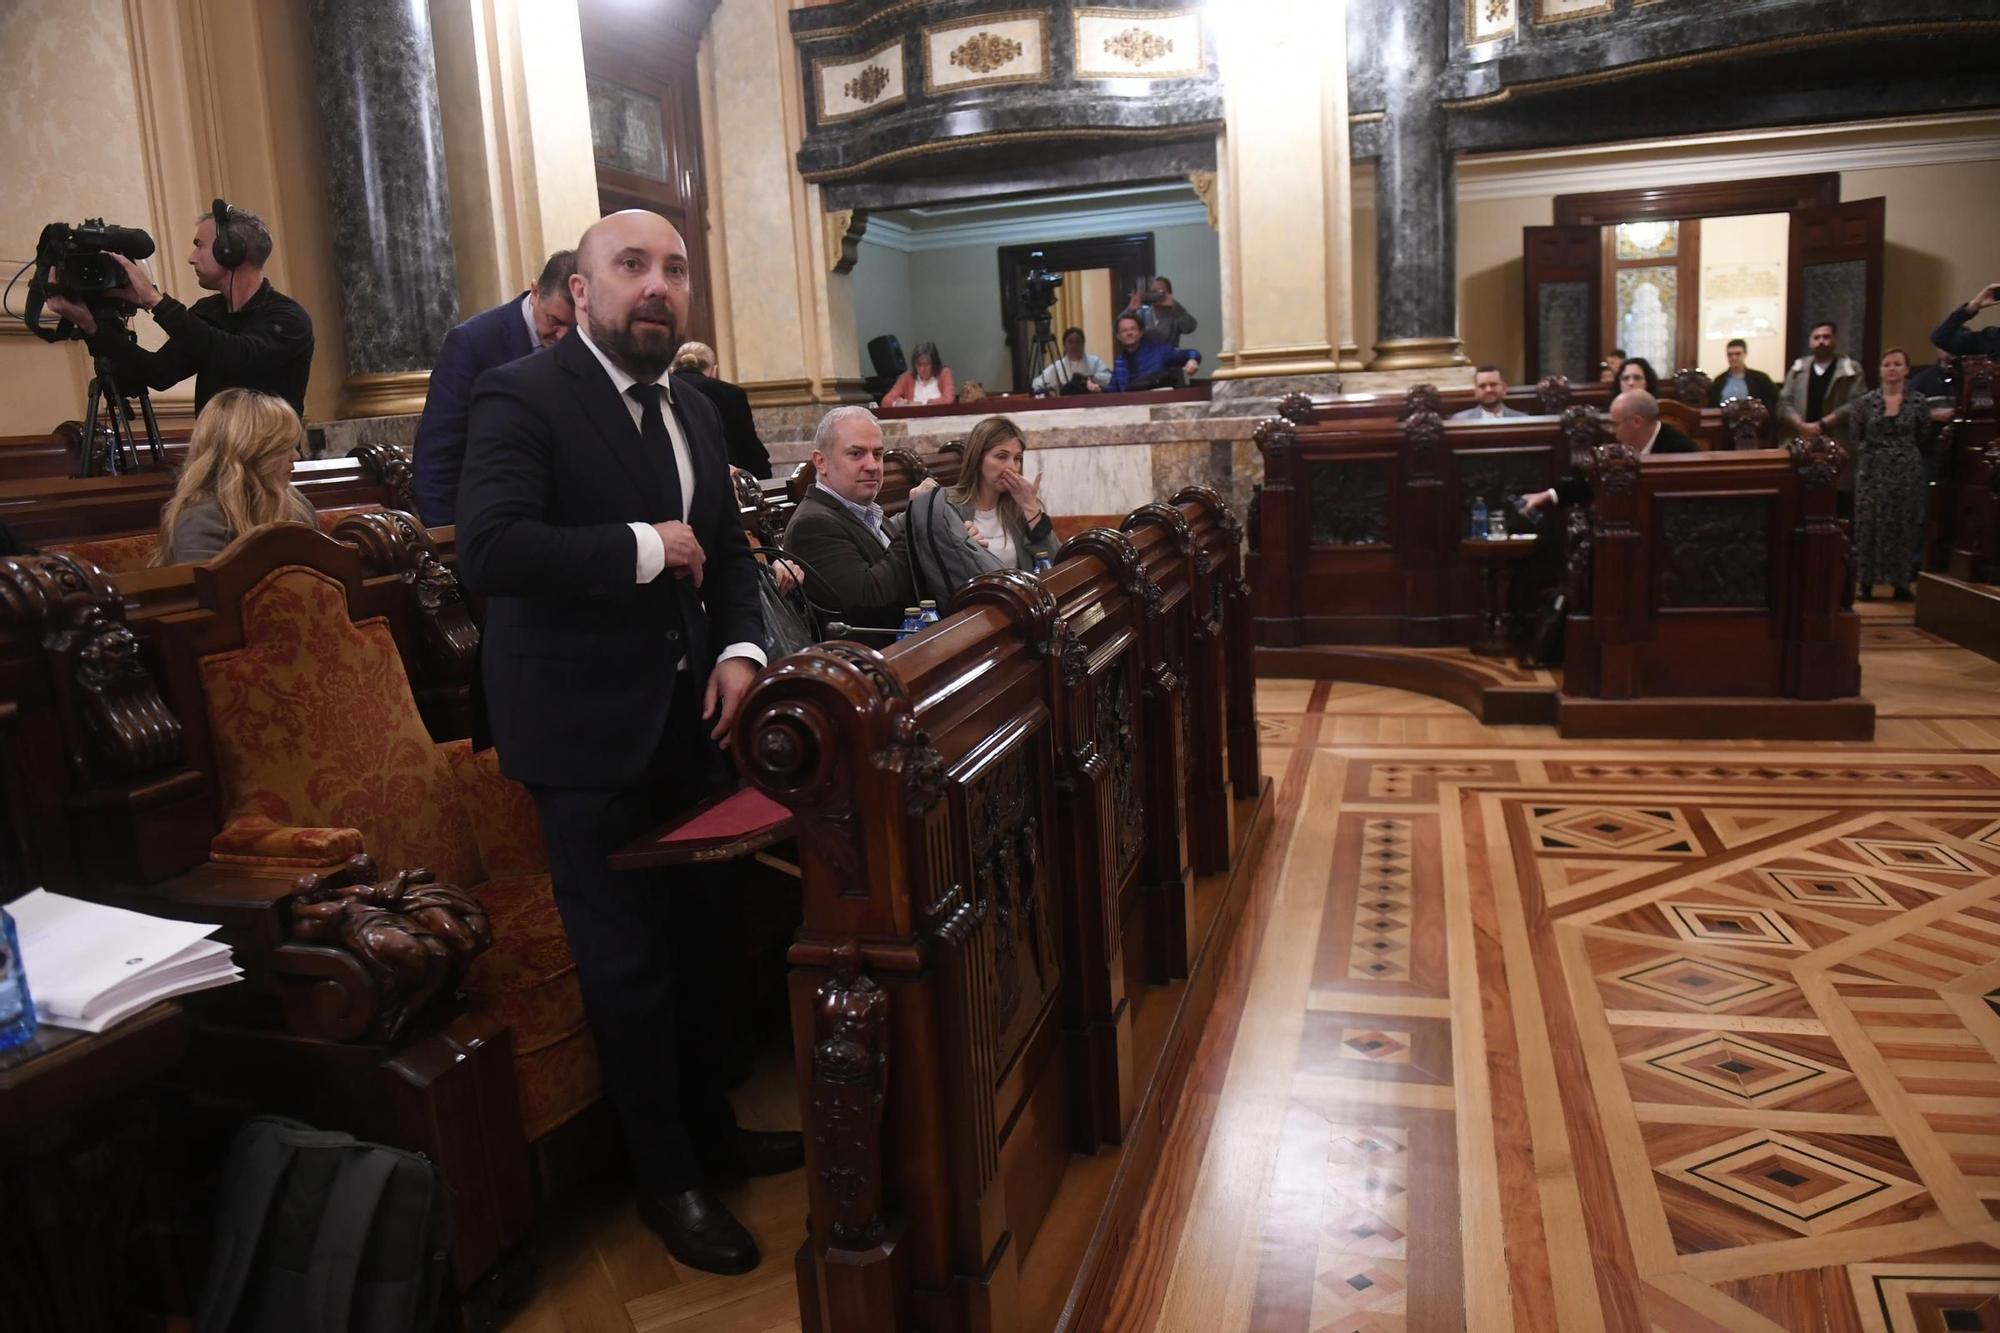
[[1886, 426]]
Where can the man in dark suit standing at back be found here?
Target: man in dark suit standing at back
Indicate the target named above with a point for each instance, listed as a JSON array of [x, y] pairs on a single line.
[[1635, 420], [538, 317], [622, 632]]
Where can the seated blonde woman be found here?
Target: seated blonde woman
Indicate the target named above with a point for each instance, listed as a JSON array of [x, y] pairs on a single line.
[[992, 519], [237, 476]]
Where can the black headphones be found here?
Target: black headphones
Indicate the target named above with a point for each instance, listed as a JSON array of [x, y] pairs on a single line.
[[228, 249]]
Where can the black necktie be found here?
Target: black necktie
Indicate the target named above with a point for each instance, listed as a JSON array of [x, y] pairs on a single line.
[[659, 444]]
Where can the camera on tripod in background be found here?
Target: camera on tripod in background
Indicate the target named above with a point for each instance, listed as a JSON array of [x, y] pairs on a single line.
[[76, 262], [1038, 292]]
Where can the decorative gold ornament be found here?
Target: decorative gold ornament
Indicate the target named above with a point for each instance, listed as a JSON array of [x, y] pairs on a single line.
[[866, 86], [1136, 46], [1204, 190], [1496, 10], [984, 52]]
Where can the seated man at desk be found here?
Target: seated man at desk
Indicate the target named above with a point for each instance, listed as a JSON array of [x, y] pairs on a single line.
[[1146, 363], [1635, 420], [1489, 392], [857, 561]]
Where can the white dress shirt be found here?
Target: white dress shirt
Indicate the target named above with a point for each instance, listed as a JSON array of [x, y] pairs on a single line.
[[528, 318], [652, 552]]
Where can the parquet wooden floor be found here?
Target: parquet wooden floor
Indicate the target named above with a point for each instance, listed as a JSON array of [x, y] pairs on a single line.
[[1528, 1035], [1532, 1035]]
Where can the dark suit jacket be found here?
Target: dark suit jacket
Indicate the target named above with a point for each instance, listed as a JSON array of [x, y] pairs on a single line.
[[1761, 387], [1575, 488], [577, 658], [850, 572], [490, 338], [739, 427]]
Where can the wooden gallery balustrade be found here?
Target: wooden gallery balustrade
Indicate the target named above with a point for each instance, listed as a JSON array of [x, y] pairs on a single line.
[[1714, 577], [1359, 522], [1025, 836]]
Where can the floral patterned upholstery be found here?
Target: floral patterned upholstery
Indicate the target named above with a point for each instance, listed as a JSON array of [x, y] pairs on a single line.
[[113, 555], [258, 840], [504, 822], [317, 738]]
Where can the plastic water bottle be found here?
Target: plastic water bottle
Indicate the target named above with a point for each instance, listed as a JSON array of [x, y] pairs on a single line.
[[1479, 528], [913, 622], [928, 613], [1496, 520], [1043, 564], [17, 1007]]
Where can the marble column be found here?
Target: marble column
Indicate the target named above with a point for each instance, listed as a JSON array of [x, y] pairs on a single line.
[[1416, 207], [385, 169], [1283, 201]]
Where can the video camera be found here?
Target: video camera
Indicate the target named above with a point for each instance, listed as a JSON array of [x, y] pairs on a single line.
[[75, 262], [1038, 292]]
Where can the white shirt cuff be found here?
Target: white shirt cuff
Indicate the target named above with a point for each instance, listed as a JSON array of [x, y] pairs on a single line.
[[749, 650], [652, 552]]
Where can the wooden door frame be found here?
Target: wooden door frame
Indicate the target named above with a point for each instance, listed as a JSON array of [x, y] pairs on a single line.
[[1129, 257], [1703, 199]]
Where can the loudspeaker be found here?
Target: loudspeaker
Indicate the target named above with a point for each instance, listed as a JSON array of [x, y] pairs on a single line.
[[886, 354], [228, 249]]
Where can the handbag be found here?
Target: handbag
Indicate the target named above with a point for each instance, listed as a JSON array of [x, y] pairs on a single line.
[[787, 627]]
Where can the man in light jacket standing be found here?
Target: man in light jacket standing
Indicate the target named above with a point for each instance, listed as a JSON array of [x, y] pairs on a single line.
[[1820, 381]]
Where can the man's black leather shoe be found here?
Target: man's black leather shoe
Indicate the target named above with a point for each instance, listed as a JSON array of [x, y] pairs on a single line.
[[756, 1152], [700, 1232]]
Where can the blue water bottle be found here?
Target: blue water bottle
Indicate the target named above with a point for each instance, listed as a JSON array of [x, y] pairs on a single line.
[[1043, 564], [913, 621], [1479, 518], [927, 614], [17, 1007]]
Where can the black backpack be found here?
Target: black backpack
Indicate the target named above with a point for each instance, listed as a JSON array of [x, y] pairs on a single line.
[[320, 1233]]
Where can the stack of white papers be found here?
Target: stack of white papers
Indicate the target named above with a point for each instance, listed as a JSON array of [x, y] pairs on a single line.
[[89, 965]]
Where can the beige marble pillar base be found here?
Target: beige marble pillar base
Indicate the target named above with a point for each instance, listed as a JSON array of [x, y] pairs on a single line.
[[1418, 354], [1263, 362], [386, 394]]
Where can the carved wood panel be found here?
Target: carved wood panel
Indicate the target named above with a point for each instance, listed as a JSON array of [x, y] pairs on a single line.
[[1118, 742], [1714, 552], [1008, 835], [1350, 503]]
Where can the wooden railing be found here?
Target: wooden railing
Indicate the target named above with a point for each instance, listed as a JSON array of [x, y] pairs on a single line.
[[1714, 575], [1002, 824]]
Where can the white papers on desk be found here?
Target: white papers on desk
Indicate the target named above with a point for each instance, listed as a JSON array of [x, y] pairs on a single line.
[[90, 965]]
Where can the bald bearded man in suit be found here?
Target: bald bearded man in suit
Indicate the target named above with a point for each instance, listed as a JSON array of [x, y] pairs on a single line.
[[622, 633]]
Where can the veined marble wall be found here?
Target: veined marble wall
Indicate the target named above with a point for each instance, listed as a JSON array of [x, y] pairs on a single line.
[[1096, 462]]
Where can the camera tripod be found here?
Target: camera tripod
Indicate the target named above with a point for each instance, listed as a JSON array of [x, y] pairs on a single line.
[[1041, 349], [121, 445]]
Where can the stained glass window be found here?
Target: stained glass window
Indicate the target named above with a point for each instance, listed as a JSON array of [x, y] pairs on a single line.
[[625, 129], [1649, 240], [1647, 307]]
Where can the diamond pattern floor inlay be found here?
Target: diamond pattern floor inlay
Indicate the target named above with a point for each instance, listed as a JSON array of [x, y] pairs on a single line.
[[1547, 1037]]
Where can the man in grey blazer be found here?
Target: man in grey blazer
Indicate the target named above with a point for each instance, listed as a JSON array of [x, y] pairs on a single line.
[[1489, 392], [857, 561]]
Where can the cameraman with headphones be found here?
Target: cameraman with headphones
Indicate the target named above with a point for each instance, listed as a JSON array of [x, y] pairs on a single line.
[[248, 335]]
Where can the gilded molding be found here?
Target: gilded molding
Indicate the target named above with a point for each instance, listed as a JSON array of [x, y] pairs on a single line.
[[861, 87], [1136, 44], [1543, 17], [1204, 189], [1193, 130], [984, 51]]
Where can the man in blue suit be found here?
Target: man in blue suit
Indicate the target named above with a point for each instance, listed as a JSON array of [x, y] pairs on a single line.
[[509, 331]]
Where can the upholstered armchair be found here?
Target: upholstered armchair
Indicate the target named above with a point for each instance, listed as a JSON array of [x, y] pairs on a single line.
[[321, 753]]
